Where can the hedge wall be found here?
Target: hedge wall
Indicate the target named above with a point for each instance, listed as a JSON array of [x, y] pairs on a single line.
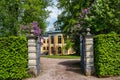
[[107, 54], [13, 58]]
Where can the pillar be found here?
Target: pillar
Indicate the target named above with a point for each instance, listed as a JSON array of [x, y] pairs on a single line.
[[49, 45], [56, 44], [32, 54], [62, 44], [88, 54]]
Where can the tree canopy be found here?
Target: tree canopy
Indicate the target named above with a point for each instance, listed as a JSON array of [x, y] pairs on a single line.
[[99, 15], [102, 16], [70, 18], [70, 12], [16, 12]]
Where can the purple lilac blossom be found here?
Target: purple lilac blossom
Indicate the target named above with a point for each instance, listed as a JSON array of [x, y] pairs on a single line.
[[37, 30], [86, 11], [81, 15], [35, 24]]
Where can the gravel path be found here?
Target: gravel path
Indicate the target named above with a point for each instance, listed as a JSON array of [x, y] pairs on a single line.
[[64, 69]]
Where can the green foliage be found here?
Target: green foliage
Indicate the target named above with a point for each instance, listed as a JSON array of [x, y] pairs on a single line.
[[70, 13], [13, 58], [63, 56], [104, 17], [69, 17], [68, 45], [107, 54], [35, 10], [18, 12]]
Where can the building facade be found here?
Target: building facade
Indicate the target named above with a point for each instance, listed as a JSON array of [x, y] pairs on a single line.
[[53, 42]]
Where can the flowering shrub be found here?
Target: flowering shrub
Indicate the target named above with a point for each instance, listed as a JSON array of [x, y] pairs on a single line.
[[80, 26], [37, 30]]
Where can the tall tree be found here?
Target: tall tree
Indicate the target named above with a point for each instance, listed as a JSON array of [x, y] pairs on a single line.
[[102, 16], [70, 12], [16, 12], [69, 17]]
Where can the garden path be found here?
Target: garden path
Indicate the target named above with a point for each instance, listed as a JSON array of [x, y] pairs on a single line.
[[64, 69]]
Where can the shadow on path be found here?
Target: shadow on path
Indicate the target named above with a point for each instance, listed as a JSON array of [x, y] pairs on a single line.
[[72, 65]]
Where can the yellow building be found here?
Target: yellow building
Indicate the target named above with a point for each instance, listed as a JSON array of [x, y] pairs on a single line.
[[53, 42], [44, 46]]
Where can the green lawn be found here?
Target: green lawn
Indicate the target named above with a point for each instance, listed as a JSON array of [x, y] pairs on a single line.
[[62, 56]]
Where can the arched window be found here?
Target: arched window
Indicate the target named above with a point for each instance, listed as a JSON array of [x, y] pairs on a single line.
[[59, 50], [52, 39], [47, 40], [43, 48], [47, 48], [43, 40], [59, 39], [52, 50]]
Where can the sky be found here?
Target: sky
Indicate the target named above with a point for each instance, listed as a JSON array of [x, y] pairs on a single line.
[[53, 15]]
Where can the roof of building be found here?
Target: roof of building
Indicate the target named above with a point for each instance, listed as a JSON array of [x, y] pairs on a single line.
[[55, 30]]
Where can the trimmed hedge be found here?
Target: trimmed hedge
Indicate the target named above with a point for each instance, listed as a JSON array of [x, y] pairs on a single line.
[[107, 55], [13, 58]]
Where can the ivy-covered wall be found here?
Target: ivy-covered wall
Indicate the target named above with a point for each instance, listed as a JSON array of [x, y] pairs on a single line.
[[107, 54], [13, 58]]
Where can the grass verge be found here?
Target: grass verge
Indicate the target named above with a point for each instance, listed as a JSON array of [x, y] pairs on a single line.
[[62, 56]]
